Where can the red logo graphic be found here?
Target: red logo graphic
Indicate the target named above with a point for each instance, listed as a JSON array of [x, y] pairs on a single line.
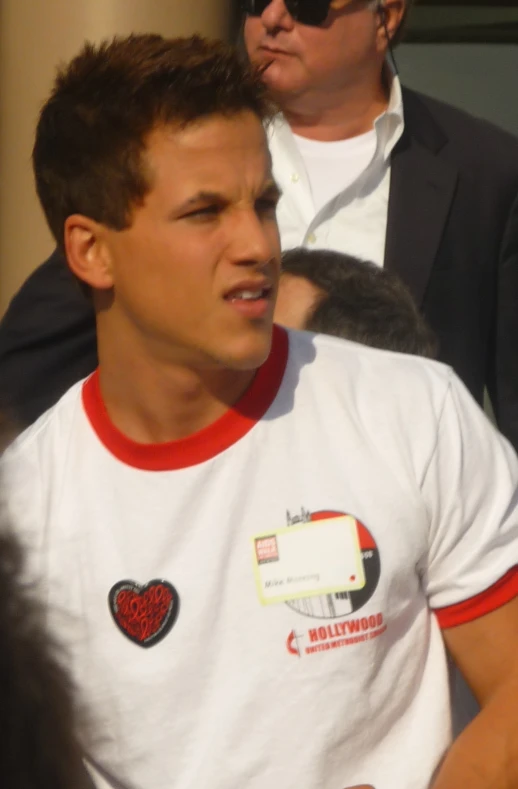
[[339, 605], [292, 643], [336, 636], [266, 549], [144, 613]]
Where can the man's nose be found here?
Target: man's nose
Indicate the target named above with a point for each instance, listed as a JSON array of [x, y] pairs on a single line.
[[252, 244], [276, 15]]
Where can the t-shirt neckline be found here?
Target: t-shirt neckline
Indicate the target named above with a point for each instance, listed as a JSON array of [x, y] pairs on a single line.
[[204, 444]]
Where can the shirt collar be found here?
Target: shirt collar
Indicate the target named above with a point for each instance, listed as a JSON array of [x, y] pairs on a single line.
[[390, 124], [287, 160]]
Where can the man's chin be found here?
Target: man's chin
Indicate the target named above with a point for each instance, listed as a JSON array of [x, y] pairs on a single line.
[[272, 75], [281, 88], [250, 353]]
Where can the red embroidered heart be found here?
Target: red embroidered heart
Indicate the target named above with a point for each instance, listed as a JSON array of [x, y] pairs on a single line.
[[144, 613]]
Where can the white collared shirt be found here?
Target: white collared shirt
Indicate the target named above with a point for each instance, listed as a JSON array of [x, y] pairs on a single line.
[[354, 219]]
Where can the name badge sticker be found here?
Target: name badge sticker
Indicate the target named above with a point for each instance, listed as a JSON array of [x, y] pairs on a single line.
[[315, 558]]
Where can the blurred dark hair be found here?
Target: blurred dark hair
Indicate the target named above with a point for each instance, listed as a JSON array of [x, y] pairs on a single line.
[[38, 746], [361, 302]]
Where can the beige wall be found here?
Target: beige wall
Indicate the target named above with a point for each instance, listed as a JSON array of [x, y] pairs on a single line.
[[34, 36]]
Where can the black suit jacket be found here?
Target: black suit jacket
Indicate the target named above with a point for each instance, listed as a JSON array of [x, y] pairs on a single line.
[[452, 236], [47, 341]]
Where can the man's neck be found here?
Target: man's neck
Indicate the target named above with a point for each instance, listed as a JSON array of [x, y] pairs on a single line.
[[151, 401], [338, 115]]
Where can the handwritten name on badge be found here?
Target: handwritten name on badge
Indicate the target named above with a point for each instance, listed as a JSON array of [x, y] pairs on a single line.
[[315, 558]]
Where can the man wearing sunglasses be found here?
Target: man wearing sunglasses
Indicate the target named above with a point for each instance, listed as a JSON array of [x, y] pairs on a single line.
[[367, 168], [342, 116]]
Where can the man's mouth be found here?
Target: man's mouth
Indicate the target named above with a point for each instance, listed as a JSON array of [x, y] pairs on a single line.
[[253, 302], [273, 50], [247, 294]]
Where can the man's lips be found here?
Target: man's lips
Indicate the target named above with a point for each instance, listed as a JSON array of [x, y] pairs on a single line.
[[272, 51], [267, 57], [249, 292], [251, 300]]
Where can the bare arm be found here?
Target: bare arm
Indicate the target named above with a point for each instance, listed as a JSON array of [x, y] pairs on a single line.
[[485, 756]]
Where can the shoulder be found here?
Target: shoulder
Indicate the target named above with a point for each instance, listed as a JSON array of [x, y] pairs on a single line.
[[52, 427], [33, 468], [382, 377], [388, 405], [403, 407], [456, 124]]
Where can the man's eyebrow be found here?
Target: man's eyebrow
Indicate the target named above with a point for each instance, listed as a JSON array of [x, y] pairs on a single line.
[[271, 191], [203, 197]]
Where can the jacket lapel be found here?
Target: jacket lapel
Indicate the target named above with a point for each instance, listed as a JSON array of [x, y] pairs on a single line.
[[421, 190]]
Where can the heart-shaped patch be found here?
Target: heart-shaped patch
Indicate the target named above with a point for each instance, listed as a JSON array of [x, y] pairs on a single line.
[[144, 613]]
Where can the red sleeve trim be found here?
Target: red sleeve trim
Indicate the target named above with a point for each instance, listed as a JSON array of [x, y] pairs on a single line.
[[505, 590]]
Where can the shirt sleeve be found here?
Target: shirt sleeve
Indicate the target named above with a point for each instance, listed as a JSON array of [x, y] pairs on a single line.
[[470, 488]]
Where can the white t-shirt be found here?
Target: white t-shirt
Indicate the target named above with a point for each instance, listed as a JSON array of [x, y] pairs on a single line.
[[326, 691], [333, 166]]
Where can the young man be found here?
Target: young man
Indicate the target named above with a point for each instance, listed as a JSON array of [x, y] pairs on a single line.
[[337, 294], [251, 540]]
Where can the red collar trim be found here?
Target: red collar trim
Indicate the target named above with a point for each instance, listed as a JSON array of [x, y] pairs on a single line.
[[206, 443]]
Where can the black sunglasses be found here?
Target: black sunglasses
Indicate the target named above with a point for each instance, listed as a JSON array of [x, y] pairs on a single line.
[[307, 12]]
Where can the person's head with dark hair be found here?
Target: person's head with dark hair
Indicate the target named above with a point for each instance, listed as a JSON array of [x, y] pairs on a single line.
[[333, 293], [153, 169], [38, 744], [89, 152]]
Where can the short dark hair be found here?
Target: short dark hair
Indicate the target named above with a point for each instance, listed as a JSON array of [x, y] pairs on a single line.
[[361, 302], [92, 131]]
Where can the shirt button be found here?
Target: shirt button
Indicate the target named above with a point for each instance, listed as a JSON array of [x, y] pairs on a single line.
[[312, 238], [294, 178]]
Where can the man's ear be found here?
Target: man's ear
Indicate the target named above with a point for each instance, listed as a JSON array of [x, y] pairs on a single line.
[[390, 13], [87, 253]]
